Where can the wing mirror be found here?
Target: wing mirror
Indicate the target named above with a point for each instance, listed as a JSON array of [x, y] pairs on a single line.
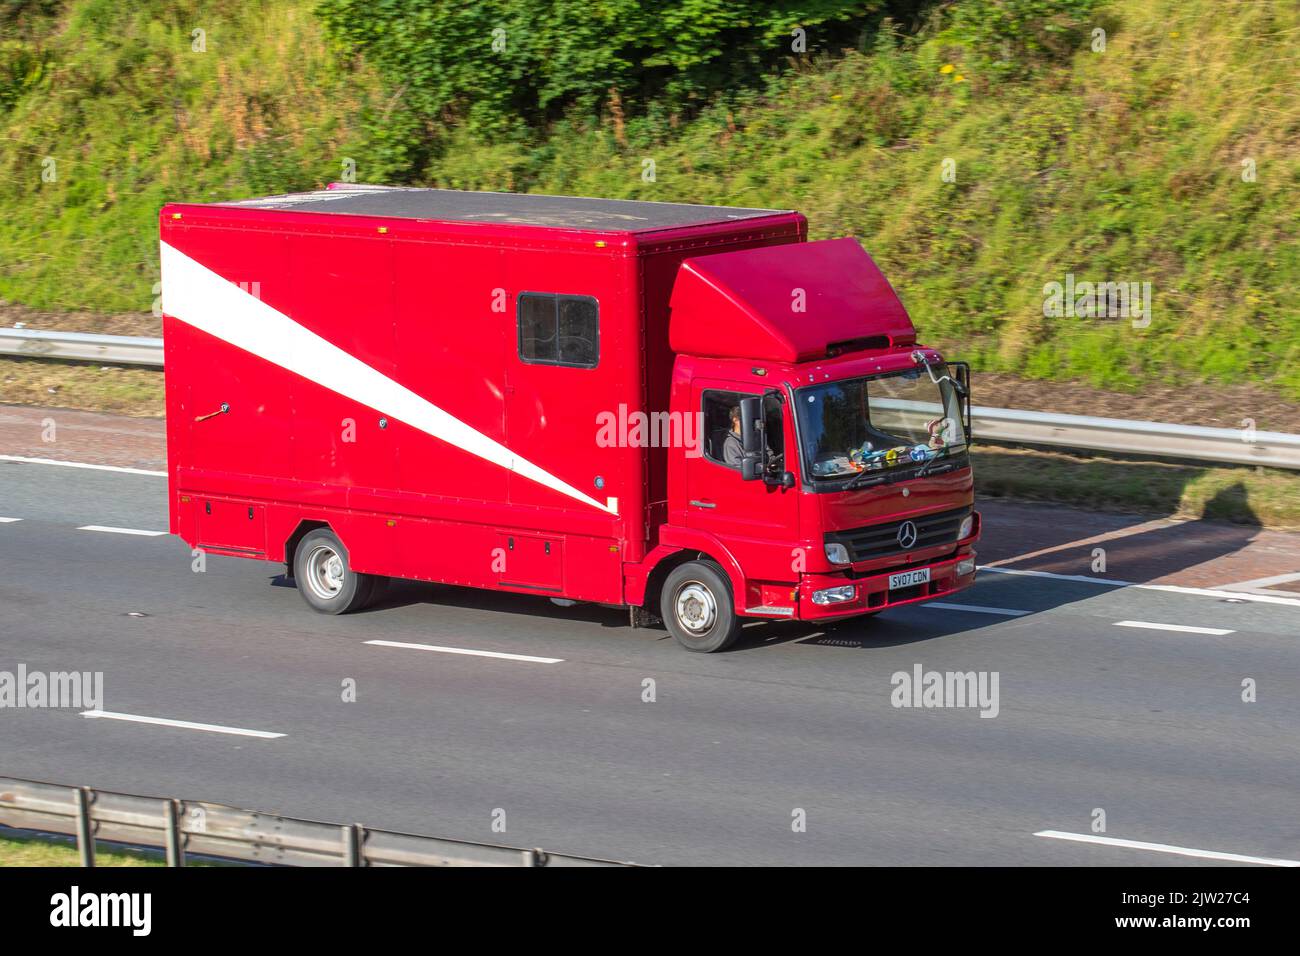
[[752, 440], [963, 392]]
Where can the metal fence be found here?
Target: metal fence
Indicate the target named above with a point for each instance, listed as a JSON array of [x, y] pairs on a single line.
[[991, 425], [181, 827]]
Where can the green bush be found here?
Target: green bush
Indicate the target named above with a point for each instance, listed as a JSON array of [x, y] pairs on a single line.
[[503, 65]]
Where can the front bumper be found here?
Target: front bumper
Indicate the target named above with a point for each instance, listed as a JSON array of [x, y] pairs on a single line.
[[872, 593]]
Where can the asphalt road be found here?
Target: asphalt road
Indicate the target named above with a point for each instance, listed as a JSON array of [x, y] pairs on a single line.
[[1148, 725]]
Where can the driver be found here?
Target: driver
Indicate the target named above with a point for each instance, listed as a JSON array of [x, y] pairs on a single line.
[[733, 451]]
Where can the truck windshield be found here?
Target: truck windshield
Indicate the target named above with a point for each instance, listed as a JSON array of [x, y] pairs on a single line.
[[879, 422]]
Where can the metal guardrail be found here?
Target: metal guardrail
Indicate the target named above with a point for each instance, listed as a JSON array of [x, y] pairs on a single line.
[[994, 425], [183, 827], [83, 347], [1148, 439]]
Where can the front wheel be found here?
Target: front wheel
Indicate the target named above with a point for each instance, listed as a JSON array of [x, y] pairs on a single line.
[[697, 607], [325, 577]]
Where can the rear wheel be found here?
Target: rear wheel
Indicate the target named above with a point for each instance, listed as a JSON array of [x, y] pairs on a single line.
[[697, 607], [325, 577]]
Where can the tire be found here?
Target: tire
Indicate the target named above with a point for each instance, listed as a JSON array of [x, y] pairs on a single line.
[[325, 577], [697, 607]]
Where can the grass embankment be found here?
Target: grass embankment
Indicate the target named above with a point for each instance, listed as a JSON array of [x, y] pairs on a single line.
[[108, 110], [1122, 165]]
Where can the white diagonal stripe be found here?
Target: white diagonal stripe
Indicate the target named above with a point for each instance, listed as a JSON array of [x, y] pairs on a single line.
[[197, 296]]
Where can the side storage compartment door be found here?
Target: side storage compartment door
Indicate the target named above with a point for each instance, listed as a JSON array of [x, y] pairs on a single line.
[[531, 561], [231, 526]]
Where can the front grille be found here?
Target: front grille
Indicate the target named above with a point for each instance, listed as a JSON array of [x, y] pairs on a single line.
[[881, 540]]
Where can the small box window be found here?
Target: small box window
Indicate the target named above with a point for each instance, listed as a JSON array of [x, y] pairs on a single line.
[[559, 329]]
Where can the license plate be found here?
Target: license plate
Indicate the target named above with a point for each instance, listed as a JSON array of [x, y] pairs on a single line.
[[905, 579]]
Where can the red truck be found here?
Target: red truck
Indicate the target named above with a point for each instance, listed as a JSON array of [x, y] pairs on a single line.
[[689, 411]]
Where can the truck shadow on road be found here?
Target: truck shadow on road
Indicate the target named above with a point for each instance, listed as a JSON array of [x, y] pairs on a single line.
[[1017, 537], [398, 594], [1204, 552]]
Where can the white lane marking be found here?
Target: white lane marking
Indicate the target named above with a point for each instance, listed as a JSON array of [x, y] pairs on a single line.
[[82, 464], [1164, 848], [1153, 626], [1171, 588], [1262, 582], [1004, 611], [9, 520], [463, 650], [108, 530], [183, 724]]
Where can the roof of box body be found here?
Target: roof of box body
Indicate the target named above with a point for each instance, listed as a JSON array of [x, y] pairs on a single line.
[[450, 205]]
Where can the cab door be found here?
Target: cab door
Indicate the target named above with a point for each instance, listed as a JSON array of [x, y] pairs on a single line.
[[754, 518]]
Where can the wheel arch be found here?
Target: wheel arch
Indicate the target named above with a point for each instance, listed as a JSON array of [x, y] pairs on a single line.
[[300, 531], [712, 552]]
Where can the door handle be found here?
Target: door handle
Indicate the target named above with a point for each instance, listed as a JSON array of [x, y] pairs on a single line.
[[225, 407], [703, 503]]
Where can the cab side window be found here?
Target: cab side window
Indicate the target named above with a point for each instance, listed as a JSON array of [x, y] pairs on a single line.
[[558, 329], [721, 434], [722, 443]]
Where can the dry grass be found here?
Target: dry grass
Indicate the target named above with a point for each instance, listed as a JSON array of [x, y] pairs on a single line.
[[109, 388]]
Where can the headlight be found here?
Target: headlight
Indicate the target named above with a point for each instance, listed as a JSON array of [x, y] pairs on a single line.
[[835, 595], [966, 527], [837, 554], [965, 567]]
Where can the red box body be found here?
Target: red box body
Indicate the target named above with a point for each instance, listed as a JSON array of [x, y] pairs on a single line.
[[364, 350]]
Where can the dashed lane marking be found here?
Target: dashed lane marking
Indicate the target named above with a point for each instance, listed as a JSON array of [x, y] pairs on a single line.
[[1185, 628], [468, 651], [182, 724], [108, 530]]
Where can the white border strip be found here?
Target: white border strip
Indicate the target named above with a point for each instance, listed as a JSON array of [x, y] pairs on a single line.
[[1173, 588], [82, 464], [183, 724], [471, 653], [1164, 848]]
